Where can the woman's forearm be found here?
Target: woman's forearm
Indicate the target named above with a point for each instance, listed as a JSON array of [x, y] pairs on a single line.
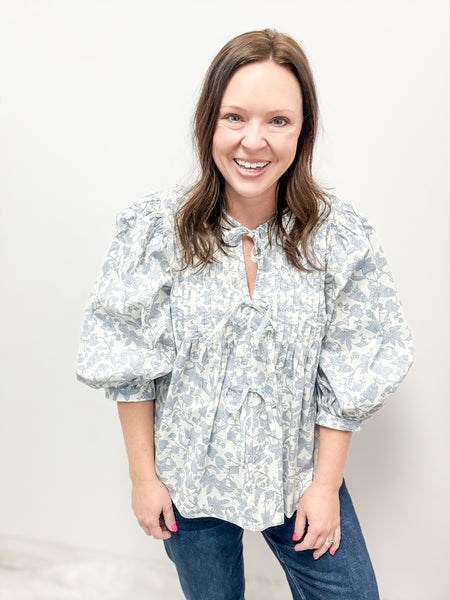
[[333, 448], [137, 421], [151, 501]]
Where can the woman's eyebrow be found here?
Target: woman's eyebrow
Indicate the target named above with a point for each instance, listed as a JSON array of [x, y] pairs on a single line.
[[277, 111], [231, 107]]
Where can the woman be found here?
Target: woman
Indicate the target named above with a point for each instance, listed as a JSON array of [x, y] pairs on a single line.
[[246, 327]]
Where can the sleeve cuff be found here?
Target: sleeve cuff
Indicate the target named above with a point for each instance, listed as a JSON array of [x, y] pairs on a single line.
[[131, 393], [328, 420]]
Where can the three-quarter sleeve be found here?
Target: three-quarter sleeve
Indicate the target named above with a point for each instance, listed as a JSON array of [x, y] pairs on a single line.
[[367, 346], [127, 341]]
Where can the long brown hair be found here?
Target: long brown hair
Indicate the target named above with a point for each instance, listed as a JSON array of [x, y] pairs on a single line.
[[199, 220]]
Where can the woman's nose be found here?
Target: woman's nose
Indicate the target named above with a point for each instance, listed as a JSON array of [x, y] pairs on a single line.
[[254, 137]]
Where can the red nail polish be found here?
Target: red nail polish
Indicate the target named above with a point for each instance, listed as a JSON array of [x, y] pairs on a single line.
[[333, 553], [295, 536], [174, 527]]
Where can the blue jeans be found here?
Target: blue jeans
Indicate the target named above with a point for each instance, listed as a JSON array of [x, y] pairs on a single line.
[[207, 553]]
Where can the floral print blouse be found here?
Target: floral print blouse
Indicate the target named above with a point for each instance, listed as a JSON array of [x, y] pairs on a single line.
[[241, 385]]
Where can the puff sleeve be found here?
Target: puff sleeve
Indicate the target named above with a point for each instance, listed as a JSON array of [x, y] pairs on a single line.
[[367, 346], [126, 341]]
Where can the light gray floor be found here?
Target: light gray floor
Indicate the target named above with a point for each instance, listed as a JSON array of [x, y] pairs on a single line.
[[34, 570]]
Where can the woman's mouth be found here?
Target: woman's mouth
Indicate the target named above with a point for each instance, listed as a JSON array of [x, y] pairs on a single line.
[[251, 168]]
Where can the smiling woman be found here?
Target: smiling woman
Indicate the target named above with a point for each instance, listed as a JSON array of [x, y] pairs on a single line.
[[247, 326], [238, 67]]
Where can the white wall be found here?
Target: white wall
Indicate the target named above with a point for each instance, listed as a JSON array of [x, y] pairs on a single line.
[[96, 98]]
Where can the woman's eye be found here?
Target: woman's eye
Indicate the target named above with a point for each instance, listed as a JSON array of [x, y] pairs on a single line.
[[233, 118], [279, 121]]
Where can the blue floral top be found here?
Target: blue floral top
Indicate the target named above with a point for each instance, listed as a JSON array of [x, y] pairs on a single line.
[[241, 384]]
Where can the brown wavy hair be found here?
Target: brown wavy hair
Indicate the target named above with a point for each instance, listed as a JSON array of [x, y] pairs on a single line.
[[199, 220]]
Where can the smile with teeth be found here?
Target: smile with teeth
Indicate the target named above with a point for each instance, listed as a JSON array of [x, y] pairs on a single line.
[[249, 165]]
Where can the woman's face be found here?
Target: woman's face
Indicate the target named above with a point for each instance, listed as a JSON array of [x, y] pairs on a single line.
[[255, 141]]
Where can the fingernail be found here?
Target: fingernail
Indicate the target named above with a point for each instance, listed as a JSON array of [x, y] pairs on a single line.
[[315, 557], [295, 536], [174, 527], [333, 553]]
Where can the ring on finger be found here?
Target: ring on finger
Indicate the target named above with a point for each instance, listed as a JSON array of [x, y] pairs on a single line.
[[330, 541]]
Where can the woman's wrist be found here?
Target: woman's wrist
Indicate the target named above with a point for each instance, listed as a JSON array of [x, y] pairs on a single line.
[[328, 485], [143, 477]]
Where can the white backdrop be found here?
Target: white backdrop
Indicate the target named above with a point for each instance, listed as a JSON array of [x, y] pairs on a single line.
[[96, 98]]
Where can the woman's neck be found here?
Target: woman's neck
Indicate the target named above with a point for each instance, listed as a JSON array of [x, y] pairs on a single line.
[[250, 212]]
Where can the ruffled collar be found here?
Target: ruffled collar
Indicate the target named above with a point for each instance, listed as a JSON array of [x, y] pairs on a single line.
[[232, 232]]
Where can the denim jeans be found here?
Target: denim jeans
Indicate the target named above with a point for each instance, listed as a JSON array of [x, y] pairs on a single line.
[[207, 553]]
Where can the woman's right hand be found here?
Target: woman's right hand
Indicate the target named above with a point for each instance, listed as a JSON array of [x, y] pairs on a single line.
[[151, 501]]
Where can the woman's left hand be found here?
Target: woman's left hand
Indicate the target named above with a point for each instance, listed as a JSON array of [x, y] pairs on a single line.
[[318, 512]]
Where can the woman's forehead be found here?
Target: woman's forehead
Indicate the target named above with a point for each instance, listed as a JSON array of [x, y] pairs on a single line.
[[263, 84]]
